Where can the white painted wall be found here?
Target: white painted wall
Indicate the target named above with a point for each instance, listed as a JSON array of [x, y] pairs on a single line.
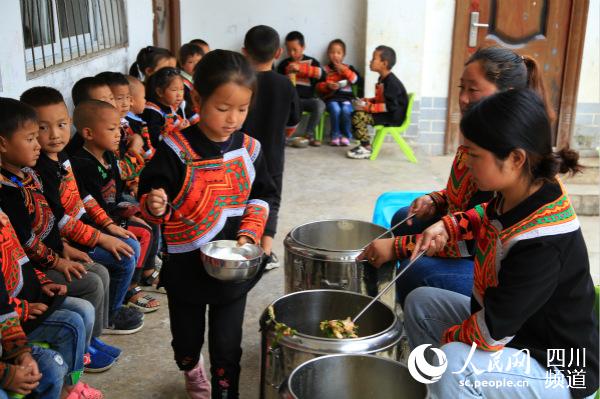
[[223, 24], [421, 34], [12, 62], [589, 82]]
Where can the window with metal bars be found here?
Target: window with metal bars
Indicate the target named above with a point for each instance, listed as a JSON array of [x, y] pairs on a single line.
[[58, 31]]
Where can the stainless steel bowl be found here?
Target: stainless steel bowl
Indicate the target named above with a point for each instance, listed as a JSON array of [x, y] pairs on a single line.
[[226, 261]]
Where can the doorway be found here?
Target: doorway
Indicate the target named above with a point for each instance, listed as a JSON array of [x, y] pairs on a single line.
[[552, 32], [167, 24]]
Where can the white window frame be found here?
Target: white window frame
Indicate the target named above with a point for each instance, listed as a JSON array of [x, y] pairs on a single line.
[[107, 31]]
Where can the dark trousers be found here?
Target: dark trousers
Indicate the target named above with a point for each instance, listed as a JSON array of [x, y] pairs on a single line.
[[271, 225], [188, 322], [316, 107]]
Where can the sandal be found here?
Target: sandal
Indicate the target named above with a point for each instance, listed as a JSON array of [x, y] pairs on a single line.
[[143, 303], [84, 391], [150, 283]]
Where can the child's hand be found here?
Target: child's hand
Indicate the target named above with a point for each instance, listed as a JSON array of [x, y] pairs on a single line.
[[333, 85], [36, 309], [139, 220], [434, 238], [115, 246], [244, 240], [378, 252], [3, 219], [27, 361], [422, 207], [156, 202], [136, 144], [341, 68], [71, 253], [293, 67], [68, 267], [24, 380], [118, 231], [52, 289]]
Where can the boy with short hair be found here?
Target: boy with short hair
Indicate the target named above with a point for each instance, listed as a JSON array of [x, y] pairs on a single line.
[[97, 171], [304, 72], [134, 119], [275, 112], [388, 107], [80, 219], [130, 152], [202, 44]]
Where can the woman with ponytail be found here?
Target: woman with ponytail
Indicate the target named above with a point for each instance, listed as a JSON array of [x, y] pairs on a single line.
[[489, 70], [533, 294]]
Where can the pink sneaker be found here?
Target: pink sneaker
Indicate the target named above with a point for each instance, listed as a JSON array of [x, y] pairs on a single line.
[[196, 382], [335, 142], [84, 391], [345, 142]]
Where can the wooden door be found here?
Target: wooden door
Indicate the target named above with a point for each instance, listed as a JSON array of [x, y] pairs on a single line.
[[550, 31], [167, 30]]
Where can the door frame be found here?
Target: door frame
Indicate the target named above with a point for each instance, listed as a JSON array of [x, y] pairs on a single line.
[[570, 79], [174, 15]]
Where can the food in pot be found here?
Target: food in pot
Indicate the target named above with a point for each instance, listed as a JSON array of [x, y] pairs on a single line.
[[339, 329], [281, 329]]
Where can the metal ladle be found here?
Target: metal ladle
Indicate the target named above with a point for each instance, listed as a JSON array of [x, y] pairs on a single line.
[[410, 216], [387, 287]]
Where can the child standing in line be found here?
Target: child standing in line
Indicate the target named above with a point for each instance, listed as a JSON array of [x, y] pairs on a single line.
[[149, 60], [134, 118], [191, 169], [163, 113], [388, 107], [275, 113], [304, 72], [337, 92]]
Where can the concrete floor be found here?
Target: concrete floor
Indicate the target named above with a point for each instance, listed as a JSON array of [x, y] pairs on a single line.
[[320, 183]]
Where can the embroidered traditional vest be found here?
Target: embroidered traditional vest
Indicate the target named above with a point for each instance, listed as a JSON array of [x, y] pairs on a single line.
[[36, 204], [11, 254], [494, 242], [213, 191]]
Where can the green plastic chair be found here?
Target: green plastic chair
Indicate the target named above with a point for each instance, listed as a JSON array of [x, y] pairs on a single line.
[[396, 131]]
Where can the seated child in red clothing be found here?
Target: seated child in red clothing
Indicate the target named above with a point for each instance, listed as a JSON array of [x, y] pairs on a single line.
[[134, 116], [130, 152], [80, 219], [96, 170], [165, 96], [337, 92]]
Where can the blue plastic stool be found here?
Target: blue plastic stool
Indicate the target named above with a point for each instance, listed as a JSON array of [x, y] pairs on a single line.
[[388, 203]]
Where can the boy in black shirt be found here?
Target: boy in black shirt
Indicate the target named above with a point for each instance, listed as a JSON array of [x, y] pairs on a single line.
[[388, 107], [304, 72], [276, 110]]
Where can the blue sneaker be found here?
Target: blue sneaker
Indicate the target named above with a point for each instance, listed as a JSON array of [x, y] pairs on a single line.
[[100, 361], [110, 350]]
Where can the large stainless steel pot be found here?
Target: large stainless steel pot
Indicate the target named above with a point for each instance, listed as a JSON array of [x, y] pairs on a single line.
[[321, 255], [379, 332], [351, 377]]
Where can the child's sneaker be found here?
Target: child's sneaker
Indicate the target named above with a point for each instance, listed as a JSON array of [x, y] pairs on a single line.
[[335, 142], [84, 391], [314, 142], [359, 152], [124, 323], [102, 346], [345, 142], [99, 361], [272, 262], [197, 384]]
